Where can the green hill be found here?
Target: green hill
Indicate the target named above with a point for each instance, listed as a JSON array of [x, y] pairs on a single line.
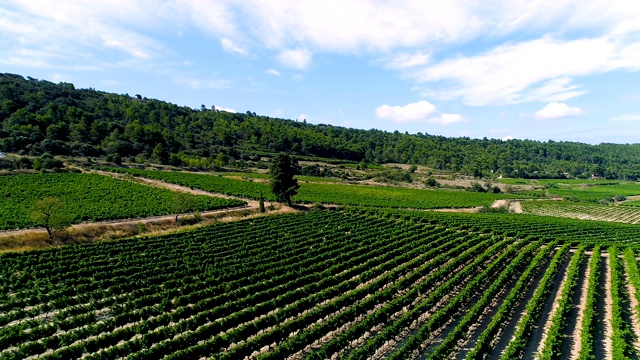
[[38, 116]]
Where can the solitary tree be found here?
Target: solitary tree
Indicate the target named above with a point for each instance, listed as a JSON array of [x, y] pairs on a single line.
[[283, 185], [261, 203], [182, 204], [49, 213]]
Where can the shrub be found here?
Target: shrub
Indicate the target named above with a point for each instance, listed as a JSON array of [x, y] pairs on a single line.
[[431, 183]]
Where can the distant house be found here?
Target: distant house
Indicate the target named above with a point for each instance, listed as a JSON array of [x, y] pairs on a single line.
[[2, 154]]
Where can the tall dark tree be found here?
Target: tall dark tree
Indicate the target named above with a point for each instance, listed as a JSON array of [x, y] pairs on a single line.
[[283, 185]]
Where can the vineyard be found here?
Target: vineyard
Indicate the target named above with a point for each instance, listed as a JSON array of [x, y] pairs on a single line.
[[326, 193], [89, 197], [583, 211], [362, 284]]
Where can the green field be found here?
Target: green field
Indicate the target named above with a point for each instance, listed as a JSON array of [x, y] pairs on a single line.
[[313, 285], [89, 197], [341, 194]]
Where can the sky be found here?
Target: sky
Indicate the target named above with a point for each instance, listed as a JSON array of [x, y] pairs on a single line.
[[561, 70]]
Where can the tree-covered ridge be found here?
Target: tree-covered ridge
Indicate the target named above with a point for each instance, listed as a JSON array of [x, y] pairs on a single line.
[[38, 116]]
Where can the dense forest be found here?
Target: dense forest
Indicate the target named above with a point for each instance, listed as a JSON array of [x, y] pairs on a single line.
[[38, 117]]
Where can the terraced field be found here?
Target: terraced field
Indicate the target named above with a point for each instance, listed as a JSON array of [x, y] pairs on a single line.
[[332, 284], [583, 211]]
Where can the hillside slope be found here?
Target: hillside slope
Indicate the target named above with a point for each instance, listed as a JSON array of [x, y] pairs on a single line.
[[38, 116]]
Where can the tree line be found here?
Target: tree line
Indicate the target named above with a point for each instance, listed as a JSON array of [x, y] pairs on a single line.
[[38, 117]]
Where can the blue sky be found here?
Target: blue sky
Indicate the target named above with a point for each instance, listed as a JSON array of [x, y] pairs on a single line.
[[563, 70]]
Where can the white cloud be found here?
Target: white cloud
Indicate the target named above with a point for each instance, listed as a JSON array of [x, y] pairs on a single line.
[[302, 117], [404, 61], [418, 111], [445, 119], [273, 72], [567, 39], [556, 110], [297, 59], [635, 117], [507, 138], [536, 70], [229, 46], [220, 108]]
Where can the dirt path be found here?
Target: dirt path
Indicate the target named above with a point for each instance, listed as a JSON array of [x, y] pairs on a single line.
[[537, 333], [552, 312], [633, 309], [608, 301], [574, 345]]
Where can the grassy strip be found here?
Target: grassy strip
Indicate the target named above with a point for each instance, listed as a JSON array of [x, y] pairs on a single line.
[[471, 316], [553, 344], [589, 317], [487, 338], [534, 307], [621, 332]]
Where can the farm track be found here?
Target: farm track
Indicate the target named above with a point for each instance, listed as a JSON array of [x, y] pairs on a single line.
[[573, 344], [634, 316], [574, 315], [607, 331]]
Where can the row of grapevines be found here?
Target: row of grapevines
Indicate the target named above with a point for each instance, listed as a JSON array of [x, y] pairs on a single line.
[[404, 285], [442, 316], [555, 333], [486, 340], [510, 273], [589, 316], [621, 332], [534, 307]]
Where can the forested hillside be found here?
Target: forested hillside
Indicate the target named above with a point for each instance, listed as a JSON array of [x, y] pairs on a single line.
[[38, 116]]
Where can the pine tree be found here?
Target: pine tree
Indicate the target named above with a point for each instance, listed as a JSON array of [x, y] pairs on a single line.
[[283, 185]]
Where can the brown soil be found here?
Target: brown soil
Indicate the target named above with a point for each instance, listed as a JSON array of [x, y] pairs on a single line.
[[608, 301], [515, 207], [633, 309], [576, 339], [537, 333], [551, 313], [504, 336]]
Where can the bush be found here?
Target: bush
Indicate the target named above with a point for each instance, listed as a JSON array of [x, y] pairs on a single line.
[[476, 187], [395, 176], [620, 198], [431, 183], [46, 161]]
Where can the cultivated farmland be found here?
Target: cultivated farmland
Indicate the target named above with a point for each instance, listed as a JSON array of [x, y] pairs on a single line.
[[90, 197], [332, 284], [583, 211], [341, 194]]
